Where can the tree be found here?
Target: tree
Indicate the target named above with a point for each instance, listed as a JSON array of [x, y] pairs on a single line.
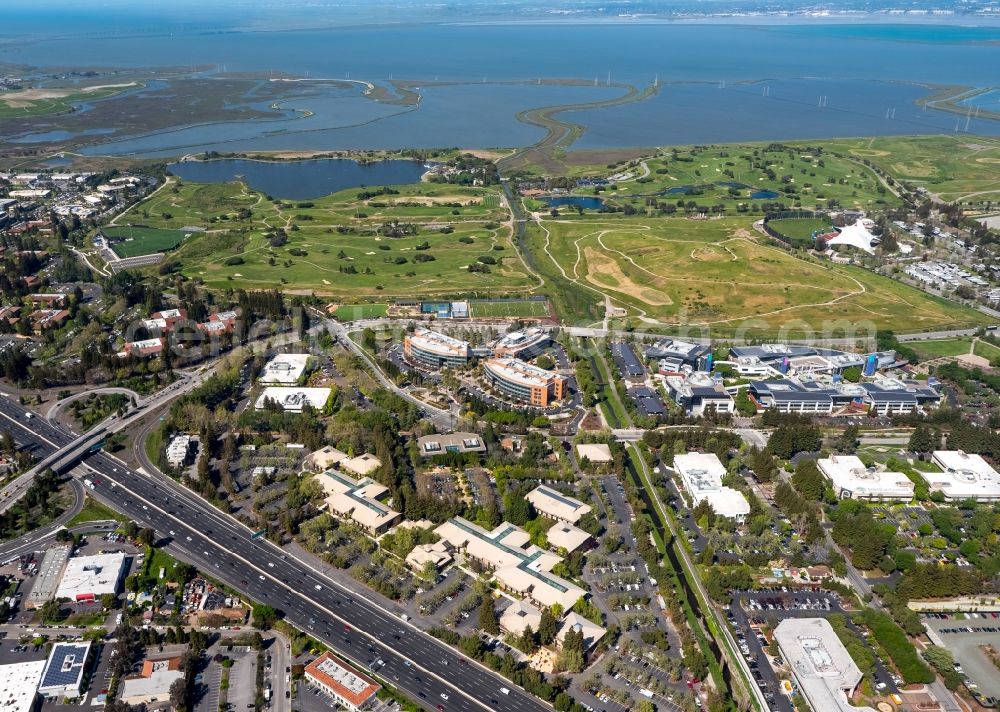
[[547, 627], [808, 480], [745, 406], [847, 443], [922, 440], [146, 537], [109, 601], [528, 641], [645, 706], [51, 611], [178, 693], [571, 654], [264, 616], [488, 616]]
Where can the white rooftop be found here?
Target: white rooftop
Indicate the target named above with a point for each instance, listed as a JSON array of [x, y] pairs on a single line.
[[856, 235], [284, 369], [436, 342], [19, 684], [557, 505], [850, 477], [964, 476], [293, 398], [821, 665], [566, 536], [702, 475], [513, 370], [595, 452], [90, 577]]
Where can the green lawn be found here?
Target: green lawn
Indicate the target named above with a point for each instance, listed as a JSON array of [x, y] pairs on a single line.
[[799, 230], [697, 178], [950, 166], [351, 312], [160, 560], [986, 350], [941, 347], [417, 242], [94, 511], [525, 308], [144, 240], [722, 275]]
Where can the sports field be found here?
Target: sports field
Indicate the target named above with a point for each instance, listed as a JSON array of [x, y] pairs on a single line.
[[143, 240], [524, 308], [410, 241], [351, 312], [722, 275]]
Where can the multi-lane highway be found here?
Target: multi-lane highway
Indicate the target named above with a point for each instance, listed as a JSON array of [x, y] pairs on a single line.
[[422, 667]]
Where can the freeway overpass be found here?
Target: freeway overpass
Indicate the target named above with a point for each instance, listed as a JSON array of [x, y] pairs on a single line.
[[62, 450], [352, 625]]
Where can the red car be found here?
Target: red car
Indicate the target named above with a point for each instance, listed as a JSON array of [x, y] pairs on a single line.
[[440, 708]]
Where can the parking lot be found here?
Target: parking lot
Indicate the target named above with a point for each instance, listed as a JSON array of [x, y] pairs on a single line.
[[753, 610], [966, 638]]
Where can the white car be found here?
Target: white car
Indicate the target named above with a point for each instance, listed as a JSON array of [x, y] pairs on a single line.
[[444, 696]]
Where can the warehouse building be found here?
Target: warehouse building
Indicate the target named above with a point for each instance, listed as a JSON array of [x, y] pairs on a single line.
[[701, 474], [49, 575], [852, 480], [87, 578], [343, 685], [524, 382], [19, 685], [435, 350], [65, 670], [963, 476], [823, 669]]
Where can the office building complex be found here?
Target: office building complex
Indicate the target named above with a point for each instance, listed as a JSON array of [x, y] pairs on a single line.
[[433, 349], [523, 382]]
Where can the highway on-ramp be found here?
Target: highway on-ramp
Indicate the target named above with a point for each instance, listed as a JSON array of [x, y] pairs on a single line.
[[354, 627]]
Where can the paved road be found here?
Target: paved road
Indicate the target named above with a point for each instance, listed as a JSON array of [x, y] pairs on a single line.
[[193, 530], [52, 413], [444, 420], [33, 540]]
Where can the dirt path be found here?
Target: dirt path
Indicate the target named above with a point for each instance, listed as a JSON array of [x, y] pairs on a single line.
[[861, 289]]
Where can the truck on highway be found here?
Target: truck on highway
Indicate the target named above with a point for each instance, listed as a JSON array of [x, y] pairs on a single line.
[[89, 483]]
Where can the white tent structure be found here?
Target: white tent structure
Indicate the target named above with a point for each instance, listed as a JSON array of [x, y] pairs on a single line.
[[856, 235]]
